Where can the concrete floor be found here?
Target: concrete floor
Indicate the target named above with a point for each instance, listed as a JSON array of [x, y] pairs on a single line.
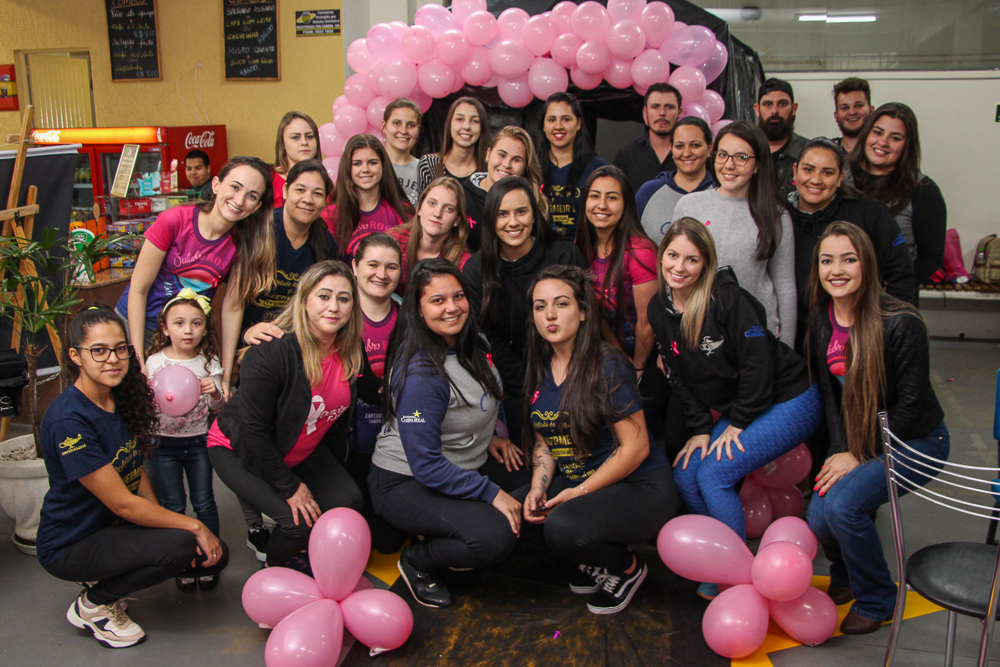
[[211, 628]]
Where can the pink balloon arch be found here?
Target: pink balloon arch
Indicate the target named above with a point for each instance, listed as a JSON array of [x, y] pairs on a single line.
[[629, 43], [311, 617]]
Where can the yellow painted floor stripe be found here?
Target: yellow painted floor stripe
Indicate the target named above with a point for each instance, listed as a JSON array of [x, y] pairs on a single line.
[[383, 566]]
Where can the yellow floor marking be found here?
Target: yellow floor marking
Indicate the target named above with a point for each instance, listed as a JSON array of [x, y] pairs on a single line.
[[383, 566]]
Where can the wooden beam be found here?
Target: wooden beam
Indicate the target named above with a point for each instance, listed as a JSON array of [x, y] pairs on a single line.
[[23, 211], [16, 139]]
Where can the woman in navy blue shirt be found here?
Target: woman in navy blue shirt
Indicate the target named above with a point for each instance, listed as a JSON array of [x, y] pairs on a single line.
[[597, 484], [101, 522]]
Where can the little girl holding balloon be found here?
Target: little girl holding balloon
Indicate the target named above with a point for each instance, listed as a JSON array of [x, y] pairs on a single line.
[[185, 339]]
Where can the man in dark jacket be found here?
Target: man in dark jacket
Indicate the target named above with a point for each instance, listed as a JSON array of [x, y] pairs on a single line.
[[647, 156], [775, 110]]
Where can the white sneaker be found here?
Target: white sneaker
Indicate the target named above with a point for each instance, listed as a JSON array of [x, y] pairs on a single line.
[[109, 622]]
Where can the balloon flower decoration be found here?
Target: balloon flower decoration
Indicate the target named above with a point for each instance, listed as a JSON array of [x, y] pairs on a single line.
[[775, 583], [176, 390], [310, 616], [769, 493], [628, 44]]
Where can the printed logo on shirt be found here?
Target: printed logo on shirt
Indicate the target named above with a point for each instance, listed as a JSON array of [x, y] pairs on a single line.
[[415, 418], [318, 411], [754, 331], [899, 240], [708, 346], [69, 444]]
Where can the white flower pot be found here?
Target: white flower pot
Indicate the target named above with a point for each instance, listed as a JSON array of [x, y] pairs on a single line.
[[23, 485]]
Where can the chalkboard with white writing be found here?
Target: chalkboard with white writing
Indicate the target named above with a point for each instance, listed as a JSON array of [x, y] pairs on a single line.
[[250, 31], [135, 53]]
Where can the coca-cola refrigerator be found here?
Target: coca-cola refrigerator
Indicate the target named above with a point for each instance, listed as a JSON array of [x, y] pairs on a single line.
[[97, 159]]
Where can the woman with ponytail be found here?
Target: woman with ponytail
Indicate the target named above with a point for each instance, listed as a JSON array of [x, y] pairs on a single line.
[[870, 353]]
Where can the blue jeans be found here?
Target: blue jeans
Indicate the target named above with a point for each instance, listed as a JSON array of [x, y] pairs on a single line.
[[706, 486], [840, 519], [172, 460]]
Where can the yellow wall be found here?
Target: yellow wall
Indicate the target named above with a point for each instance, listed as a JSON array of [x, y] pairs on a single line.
[[312, 68]]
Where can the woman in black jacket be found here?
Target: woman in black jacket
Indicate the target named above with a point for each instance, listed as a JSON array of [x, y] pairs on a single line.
[[517, 245], [721, 356], [820, 198], [869, 352], [281, 441]]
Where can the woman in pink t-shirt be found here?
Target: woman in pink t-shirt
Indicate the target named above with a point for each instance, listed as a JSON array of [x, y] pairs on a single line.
[[298, 140], [281, 441], [622, 260], [197, 247], [369, 196]]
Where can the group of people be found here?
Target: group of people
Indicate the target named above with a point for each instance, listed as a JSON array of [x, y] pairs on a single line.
[[504, 345]]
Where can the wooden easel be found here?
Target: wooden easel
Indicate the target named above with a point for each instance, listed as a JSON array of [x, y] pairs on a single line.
[[20, 222]]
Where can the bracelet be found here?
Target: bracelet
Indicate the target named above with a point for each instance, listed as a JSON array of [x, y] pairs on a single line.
[[582, 488]]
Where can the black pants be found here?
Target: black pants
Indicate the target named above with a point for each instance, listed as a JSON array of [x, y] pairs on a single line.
[[325, 476], [457, 533], [129, 558], [386, 539], [595, 528]]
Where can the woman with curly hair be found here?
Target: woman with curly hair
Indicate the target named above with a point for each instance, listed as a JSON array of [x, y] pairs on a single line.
[[101, 522]]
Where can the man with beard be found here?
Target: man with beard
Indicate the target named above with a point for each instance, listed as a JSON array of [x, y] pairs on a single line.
[[643, 159], [776, 109], [852, 98]]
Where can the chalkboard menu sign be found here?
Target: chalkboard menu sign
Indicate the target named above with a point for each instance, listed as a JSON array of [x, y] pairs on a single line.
[[250, 30], [135, 53]]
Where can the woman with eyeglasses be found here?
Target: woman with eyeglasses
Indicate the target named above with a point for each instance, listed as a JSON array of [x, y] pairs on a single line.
[[752, 231], [101, 522]]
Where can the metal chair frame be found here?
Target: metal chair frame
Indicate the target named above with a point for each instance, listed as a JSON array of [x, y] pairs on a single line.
[[899, 456]]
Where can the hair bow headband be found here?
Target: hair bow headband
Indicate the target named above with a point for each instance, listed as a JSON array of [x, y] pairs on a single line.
[[188, 294]]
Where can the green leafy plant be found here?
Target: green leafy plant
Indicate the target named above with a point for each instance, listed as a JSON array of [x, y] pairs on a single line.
[[46, 300]]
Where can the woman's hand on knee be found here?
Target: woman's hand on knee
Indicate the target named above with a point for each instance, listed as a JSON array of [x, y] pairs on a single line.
[[834, 470], [728, 437], [510, 508], [691, 446], [567, 494], [302, 502], [506, 452], [534, 506], [208, 545]]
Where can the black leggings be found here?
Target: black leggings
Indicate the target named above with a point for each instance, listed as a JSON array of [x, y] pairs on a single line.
[[595, 528], [325, 476], [457, 533], [385, 538], [129, 558]]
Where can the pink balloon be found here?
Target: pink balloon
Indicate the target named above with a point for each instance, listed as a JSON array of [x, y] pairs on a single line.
[[546, 77], [359, 57], [271, 594], [495, 81], [714, 105], [510, 23], [656, 21], [339, 102], [689, 81], [476, 70], [397, 80], [810, 619], [423, 100], [786, 470], [384, 43], [357, 91], [374, 76], [463, 9], [781, 571], [332, 165], [363, 585], [417, 43], [756, 508], [481, 28], [510, 58], [452, 47], [330, 140], [376, 111], [176, 390], [791, 529], [350, 120], [593, 57], [619, 73], [718, 125], [626, 39], [689, 45], [649, 67], [583, 80], [786, 501], [562, 16], [435, 78], [590, 21], [735, 623], [701, 548], [309, 637], [435, 17], [399, 27], [716, 64], [696, 110], [565, 48], [539, 33], [377, 618], [459, 81], [515, 92], [625, 10], [339, 545], [640, 89]]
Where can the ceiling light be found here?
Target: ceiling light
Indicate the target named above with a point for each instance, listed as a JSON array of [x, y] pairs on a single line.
[[858, 18], [812, 17]]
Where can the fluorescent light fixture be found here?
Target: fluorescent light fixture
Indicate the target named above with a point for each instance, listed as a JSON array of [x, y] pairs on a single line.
[[858, 18], [812, 17]]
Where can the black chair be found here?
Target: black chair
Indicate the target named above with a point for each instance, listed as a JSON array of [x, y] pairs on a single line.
[[962, 577]]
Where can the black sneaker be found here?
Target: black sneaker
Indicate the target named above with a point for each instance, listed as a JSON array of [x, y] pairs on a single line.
[[584, 579], [426, 590], [617, 590], [208, 582], [187, 584], [257, 541]]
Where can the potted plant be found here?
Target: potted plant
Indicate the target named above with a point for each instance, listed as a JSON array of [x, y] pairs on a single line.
[[39, 302]]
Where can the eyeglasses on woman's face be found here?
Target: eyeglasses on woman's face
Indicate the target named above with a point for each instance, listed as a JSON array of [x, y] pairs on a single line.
[[100, 354]]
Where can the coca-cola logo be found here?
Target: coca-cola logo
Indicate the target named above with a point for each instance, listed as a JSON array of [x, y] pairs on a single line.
[[47, 137], [204, 140]]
